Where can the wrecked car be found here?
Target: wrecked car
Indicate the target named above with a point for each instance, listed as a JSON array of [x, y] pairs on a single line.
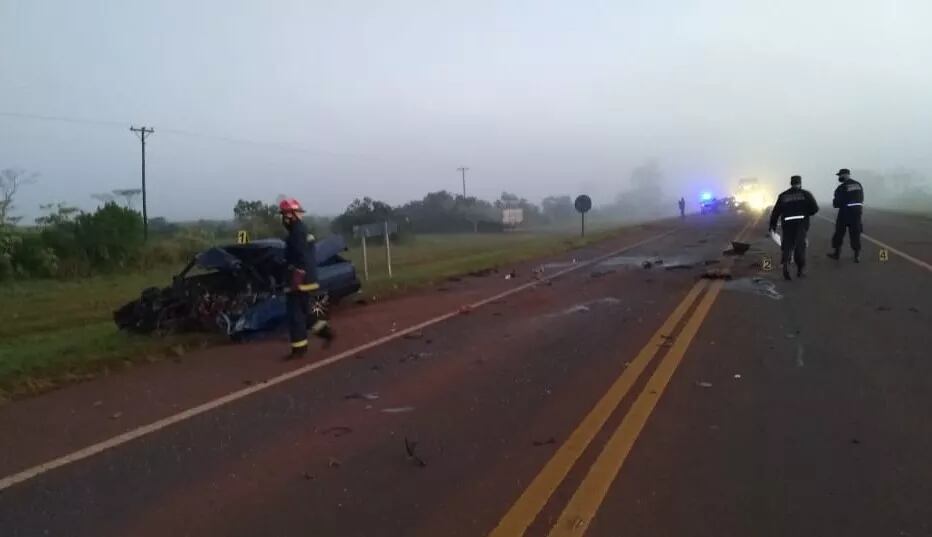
[[237, 289]]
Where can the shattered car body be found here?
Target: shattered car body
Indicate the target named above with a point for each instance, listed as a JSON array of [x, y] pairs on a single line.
[[237, 289]]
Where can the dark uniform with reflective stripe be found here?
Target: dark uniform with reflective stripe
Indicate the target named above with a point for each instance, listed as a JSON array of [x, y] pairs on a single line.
[[302, 280], [794, 207], [849, 200]]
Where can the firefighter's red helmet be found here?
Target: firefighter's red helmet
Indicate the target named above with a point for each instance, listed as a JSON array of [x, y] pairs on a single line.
[[290, 205]]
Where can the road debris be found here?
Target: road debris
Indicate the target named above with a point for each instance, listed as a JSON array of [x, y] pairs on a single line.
[[375, 367], [547, 442], [334, 462], [755, 285], [98, 403], [116, 415], [413, 335], [465, 310], [882, 308], [914, 309], [678, 266], [708, 262], [178, 350], [855, 441], [482, 273], [248, 382], [398, 409], [410, 447], [737, 376], [704, 384], [336, 432], [309, 476], [367, 396], [717, 274]]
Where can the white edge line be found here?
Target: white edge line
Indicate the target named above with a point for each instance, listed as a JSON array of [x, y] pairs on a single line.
[[900, 253], [138, 432]]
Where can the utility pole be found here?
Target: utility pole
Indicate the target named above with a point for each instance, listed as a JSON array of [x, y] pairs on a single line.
[[463, 171], [141, 133]]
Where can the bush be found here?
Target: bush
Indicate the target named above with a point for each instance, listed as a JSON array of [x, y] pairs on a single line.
[[110, 237]]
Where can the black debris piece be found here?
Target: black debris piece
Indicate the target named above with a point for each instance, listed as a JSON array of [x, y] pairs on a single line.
[[717, 274], [410, 447], [547, 442], [914, 309], [708, 262], [882, 308], [413, 335]]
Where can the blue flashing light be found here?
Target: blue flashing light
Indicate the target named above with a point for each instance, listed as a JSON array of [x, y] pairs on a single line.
[[706, 196]]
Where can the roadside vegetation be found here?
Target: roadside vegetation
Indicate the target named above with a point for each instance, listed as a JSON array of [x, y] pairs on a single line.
[[62, 278]]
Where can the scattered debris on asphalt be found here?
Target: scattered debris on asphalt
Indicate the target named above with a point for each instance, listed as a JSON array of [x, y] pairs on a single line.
[[454, 279], [309, 476], [465, 310], [599, 273], [704, 384], [375, 367], [178, 350], [678, 266], [336, 432], [413, 335], [547, 442], [98, 403], [410, 447], [914, 309], [792, 335], [737, 376], [367, 396], [755, 285], [739, 248], [882, 308], [855, 441], [414, 356], [247, 382], [334, 462], [647, 264], [702, 241], [361, 301], [398, 409], [116, 415], [717, 274]]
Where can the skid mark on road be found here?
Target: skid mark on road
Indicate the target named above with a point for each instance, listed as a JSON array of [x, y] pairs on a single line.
[[133, 434]]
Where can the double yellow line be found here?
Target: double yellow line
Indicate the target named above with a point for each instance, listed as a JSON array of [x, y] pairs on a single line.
[[585, 502]]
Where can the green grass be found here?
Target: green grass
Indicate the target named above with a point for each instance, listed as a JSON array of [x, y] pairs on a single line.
[[54, 332]]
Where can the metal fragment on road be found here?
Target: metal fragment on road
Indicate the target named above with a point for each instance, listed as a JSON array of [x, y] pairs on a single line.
[[755, 285], [410, 447], [704, 384], [398, 409]]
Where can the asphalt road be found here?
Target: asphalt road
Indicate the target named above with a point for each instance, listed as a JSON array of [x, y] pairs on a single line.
[[611, 400]]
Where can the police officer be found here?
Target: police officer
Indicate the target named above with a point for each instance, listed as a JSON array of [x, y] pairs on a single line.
[[794, 207], [682, 205], [849, 200], [301, 280]]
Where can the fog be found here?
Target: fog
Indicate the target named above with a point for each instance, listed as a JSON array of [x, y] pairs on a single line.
[[330, 101]]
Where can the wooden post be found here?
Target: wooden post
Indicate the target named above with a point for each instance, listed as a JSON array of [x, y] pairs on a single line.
[[365, 258], [388, 250]]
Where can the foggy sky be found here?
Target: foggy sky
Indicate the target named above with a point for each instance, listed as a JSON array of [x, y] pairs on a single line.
[[339, 99]]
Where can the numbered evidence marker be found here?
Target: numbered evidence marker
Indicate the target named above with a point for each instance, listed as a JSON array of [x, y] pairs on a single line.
[[766, 264], [884, 255], [242, 237]]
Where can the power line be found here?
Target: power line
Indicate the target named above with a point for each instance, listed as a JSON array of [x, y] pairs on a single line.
[[192, 134]]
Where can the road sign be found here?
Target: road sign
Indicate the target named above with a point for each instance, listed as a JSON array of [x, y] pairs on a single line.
[[374, 230], [766, 264], [242, 236], [884, 255], [583, 204]]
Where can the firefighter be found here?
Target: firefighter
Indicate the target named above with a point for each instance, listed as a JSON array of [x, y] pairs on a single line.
[[849, 200], [793, 208], [301, 280], [682, 204]]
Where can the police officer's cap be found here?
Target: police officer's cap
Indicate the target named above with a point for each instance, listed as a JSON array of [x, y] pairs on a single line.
[[796, 180], [844, 171]]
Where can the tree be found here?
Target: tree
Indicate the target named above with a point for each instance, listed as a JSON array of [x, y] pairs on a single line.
[[103, 197], [558, 208], [256, 217], [11, 180], [361, 212], [128, 194]]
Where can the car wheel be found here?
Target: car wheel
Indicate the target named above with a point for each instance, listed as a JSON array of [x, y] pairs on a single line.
[[320, 306]]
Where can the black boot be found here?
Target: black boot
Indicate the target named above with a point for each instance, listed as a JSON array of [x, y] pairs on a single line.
[[296, 353], [857, 256], [836, 255], [323, 331], [786, 273], [800, 273]]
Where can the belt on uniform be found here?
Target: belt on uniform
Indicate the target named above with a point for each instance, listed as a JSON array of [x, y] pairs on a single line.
[[855, 204], [800, 217]]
